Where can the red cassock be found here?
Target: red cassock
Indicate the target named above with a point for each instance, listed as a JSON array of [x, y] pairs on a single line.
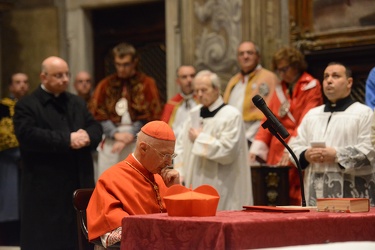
[[120, 192]]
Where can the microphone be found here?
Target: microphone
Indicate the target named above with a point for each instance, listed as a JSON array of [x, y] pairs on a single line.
[[277, 129], [275, 123]]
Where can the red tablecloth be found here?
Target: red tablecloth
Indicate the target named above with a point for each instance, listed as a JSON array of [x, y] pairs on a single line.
[[243, 229]]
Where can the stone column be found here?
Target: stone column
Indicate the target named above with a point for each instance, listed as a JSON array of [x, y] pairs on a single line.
[[80, 44]]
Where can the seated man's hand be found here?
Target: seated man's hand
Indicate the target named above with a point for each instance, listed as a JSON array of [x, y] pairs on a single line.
[[170, 176]]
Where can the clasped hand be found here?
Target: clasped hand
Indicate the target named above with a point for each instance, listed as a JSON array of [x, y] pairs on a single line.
[[320, 155], [193, 133], [170, 176], [79, 139]]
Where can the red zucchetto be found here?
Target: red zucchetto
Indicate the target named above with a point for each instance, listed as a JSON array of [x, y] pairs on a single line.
[[159, 130]]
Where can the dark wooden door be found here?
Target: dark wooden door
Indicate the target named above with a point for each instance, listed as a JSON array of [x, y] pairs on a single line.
[[142, 25]]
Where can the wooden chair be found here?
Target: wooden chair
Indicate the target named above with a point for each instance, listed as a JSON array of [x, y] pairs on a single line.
[[81, 198]]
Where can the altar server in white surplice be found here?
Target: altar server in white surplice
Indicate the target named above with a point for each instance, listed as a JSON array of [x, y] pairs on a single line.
[[345, 166], [212, 148]]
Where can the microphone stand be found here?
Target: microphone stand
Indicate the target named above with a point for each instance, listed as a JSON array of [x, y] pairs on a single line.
[[268, 124]]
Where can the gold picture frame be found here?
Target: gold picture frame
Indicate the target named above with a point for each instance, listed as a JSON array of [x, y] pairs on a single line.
[[326, 24]]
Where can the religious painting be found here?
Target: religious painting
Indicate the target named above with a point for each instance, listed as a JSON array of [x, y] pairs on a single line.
[[325, 24], [329, 15]]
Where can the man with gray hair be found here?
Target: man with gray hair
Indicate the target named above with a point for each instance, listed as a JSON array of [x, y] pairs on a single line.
[[243, 86], [212, 149]]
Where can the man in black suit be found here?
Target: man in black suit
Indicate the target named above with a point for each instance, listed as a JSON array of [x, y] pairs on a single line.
[[56, 134]]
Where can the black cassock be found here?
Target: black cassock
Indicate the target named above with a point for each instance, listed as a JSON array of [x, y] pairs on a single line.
[[51, 169]]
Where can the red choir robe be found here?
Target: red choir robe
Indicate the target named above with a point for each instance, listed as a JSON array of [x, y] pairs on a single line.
[[121, 191], [306, 95], [170, 108], [140, 91]]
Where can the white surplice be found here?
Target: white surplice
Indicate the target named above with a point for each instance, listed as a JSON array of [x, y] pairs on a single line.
[[218, 157], [182, 112], [349, 133]]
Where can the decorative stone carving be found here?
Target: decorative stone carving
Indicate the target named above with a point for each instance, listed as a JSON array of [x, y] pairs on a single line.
[[216, 46]]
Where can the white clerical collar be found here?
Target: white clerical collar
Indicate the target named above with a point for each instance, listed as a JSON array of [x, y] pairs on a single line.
[[136, 159], [186, 97], [219, 101], [45, 89]]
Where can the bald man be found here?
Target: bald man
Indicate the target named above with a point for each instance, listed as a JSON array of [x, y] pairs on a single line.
[[56, 134], [83, 85], [146, 176], [178, 107]]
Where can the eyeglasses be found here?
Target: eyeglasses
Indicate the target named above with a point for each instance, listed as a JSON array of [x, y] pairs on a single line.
[[283, 69], [166, 157], [248, 52], [60, 75]]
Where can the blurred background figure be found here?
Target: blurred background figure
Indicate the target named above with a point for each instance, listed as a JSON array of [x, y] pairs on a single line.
[[252, 80], [83, 85], [10, 162], [123, 102], [177, 108], [370, 89], [293, 98]]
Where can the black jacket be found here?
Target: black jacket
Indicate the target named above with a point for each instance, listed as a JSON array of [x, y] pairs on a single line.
[[51, 169]]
